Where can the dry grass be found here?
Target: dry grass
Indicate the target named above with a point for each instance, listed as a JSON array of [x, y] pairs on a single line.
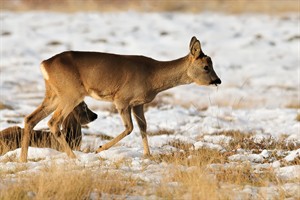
[[12, 171], [56, 182], [161, 132], [54, 43], [293, 105], [193, 184], [242, 140], [200, 174], [187, 177], [244, 174], [11, 158], [5, 106], [180, 145], [275, 146], [199, 158], [298, 117], [4, 148], [230, 6], [188, 174], [191, 176]]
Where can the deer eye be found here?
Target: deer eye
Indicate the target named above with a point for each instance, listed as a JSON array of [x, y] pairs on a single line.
[[206, 68]]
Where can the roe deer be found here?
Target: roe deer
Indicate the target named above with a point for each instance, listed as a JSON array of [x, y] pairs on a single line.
[[129, 81], [10, 138]]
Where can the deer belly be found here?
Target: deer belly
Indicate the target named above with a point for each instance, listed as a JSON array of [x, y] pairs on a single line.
[[142, 99], [102, 95]]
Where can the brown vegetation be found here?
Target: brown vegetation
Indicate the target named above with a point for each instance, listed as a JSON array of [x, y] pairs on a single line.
[[242, 140], [55, 182], [187, 174], [200, 174], [230, 6], [298, 117]]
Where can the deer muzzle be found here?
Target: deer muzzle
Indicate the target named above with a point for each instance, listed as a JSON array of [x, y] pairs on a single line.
[[216, 82]]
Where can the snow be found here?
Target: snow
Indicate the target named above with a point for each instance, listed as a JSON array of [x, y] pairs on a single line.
[[120, 153], [251, 157], [289, 172], [293, 155], [200, 145], [33, 153], [253, 54], [219, 139]]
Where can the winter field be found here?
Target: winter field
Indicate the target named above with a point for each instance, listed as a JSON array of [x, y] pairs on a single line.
[[240, 140]]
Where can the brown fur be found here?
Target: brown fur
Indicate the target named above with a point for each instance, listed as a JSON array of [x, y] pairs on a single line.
[[10, 138], [128, 81]]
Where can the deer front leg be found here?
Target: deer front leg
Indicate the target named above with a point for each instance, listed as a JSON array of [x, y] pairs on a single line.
[[127, 121], [138, 112]]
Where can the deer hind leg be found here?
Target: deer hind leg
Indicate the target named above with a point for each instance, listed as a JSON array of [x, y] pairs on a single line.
[[127, 121], [45, 109], [60, 114], [72, 127], [138, 112]]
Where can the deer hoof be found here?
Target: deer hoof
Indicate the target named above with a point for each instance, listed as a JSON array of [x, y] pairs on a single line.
[[72, 155], [23, 160]]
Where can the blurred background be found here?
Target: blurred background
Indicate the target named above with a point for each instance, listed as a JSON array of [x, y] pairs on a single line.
[[254, 44], [231, 6]]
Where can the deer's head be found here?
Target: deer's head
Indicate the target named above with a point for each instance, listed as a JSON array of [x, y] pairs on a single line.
[[201, 69]]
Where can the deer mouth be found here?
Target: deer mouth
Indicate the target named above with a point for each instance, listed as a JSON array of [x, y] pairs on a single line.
[[216, 82]]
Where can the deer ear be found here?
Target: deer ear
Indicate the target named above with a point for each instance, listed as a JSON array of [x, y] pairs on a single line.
[[195, 47]]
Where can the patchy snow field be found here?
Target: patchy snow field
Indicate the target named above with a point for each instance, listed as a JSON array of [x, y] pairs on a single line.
[[256, 57]]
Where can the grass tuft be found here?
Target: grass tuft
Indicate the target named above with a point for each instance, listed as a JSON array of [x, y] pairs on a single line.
[[57, 182], [198, 158], [246, 140], [188, 174], [161, 132], [243, 174]]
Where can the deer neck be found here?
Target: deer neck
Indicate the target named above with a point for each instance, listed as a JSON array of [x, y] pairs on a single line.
[[168, 74]]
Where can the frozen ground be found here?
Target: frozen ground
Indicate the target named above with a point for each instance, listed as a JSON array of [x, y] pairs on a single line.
[[256, 56]]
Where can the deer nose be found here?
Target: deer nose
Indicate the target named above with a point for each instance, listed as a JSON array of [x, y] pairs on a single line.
[[216, 81], [94, 117]]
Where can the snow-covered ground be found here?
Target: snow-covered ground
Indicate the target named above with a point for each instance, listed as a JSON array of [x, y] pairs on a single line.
[[256, 57]]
